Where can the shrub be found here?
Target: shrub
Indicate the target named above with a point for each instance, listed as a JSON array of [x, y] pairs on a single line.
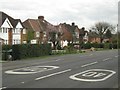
[[5, 51], [28, 50]]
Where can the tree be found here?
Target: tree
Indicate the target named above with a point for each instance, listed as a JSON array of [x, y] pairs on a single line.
[[55, 38], [108, 34], [81, 35], [30, 36], [101, 28]]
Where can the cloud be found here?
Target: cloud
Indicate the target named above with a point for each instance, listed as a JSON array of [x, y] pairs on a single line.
[[82, 12]]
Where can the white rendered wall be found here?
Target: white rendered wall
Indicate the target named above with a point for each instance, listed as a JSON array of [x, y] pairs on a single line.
[[17, 35], [6, 24]]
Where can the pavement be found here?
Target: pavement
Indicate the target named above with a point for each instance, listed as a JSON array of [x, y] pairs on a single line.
[[97, 69]]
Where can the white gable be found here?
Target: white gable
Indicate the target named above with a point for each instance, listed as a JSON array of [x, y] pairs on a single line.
[[19, 25], [7, 24]]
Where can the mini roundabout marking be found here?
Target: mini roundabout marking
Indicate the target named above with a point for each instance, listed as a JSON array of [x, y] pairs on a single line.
[[31, 70]]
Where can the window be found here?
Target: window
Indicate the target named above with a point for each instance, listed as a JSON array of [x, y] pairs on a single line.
[[6, 41], [24, 31], [45, 34], [16, 41], [4, 30], [77, 34], [37, 34], [13, 30], [13, 41], [16, 30]]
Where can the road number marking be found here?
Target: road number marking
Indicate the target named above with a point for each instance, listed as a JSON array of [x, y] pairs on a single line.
[[93, 75]]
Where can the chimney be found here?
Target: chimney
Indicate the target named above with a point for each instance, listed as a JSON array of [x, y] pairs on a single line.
[[41, 18], [73, 24], [90, 30]]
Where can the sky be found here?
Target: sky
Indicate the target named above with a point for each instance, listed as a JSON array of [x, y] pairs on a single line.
[[84, 13]]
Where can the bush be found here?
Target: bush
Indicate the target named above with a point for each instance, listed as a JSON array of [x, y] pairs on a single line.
[[5, 51], [114, 45], [28, 50], [95, 45], [107, 46], [87, 46]]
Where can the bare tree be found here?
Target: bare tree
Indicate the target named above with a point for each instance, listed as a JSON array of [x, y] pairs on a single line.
[[101, 28], [55, 38]]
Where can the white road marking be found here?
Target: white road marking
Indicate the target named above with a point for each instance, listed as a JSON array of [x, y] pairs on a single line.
[[22, 82], [58, 60], [85, 73], [53, 74], [48, 61], [106, 59], [116, 56], [3, 88], [89, 64], [31, 70], [90, 54]]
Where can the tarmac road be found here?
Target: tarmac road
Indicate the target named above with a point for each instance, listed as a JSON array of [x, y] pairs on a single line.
[[98, 69]]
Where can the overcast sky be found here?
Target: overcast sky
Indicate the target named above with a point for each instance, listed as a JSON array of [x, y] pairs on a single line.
[[82, 12]]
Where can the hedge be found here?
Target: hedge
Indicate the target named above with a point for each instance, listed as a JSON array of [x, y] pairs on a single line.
[[100, 45], [29, 50], [5, 51]]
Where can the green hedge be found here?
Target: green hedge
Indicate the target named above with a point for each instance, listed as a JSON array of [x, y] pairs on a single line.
[[100, 45], [90, 45], [30, 50], [5, 51]]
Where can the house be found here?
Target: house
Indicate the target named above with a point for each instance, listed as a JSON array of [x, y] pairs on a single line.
[[41, 31], [11, 30], [85, 38], [71, 34], [1, 41], [93, 37], [38, 30]]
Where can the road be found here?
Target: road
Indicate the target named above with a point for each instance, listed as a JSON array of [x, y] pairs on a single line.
[[98, 69]]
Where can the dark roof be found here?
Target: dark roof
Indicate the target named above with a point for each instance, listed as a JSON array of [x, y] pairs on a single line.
[[93, 34], [38, 25], [13, 21]]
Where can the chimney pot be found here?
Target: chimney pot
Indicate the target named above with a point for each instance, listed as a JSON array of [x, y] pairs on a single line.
[[41, 18]]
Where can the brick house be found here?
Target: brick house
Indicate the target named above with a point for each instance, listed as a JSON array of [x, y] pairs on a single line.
[[1, 41], [71, 34], [93, 37], [40, 31], [11, 30], [40, 28]]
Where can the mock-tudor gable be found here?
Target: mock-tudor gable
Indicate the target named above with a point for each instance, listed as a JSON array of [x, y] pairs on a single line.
[[19, 25], [7, 24], [11, 29]]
